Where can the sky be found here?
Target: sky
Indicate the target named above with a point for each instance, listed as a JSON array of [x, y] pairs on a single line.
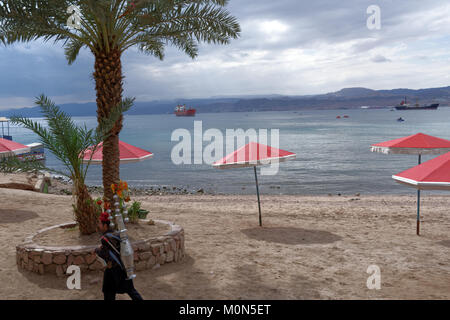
[[289, 47]]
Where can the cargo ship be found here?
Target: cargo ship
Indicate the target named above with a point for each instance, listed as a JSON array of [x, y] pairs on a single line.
[[181, 111], [404, 105]]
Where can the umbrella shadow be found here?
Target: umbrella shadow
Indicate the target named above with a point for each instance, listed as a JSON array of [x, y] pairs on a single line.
[[291, 235], [16, 216]]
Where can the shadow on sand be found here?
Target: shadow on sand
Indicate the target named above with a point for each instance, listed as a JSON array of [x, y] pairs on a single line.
[[16, 216], [176, 281], [290, 235], [445, 243], [253, 285], [47, 281]]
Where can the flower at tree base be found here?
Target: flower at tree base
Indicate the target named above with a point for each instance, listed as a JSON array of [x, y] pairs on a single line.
[[121, 189]]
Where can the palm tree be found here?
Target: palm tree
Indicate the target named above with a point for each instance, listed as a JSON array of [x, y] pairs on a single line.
[[68, 143], [108, 28]]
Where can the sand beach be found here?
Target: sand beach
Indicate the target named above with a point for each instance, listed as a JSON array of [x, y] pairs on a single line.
[[309, 247]]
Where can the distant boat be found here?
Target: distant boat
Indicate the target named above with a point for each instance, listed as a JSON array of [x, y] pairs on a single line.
[[400, 119], [338, 117], [346, 117], [404, 105], [365, 107], [181, 111]]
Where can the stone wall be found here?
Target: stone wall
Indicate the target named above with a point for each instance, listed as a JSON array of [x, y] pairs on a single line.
[[148, 253]]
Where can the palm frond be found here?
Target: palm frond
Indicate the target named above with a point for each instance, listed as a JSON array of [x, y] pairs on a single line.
[[64, 138], [182, 23], [72, 49], [119, 24], [14, 165]]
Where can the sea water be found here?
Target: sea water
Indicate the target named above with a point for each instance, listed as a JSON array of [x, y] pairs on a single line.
[[333, 155]]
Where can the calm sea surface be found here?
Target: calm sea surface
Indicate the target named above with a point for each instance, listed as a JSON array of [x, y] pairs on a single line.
[[333, 156]]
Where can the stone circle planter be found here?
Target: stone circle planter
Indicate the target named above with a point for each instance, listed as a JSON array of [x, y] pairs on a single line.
[[55, 260]]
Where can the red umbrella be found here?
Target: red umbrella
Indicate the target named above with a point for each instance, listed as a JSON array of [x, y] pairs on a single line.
[[431, 175], [128, 153], [417, 144], [11, 148], [252, 155]]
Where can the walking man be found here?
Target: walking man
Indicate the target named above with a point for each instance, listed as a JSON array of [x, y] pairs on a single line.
[[115, 277]]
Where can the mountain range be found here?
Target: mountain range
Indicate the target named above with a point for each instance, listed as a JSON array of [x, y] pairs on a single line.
[[348, 98]]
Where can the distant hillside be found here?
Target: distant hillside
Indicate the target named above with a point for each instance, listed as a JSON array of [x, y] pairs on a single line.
[[347, 98], [139, 108]]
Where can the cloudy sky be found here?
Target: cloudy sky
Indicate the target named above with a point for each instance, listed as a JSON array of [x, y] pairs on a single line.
[[291, 47]]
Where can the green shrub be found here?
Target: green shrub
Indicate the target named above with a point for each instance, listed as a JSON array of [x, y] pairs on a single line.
[[135, 212]]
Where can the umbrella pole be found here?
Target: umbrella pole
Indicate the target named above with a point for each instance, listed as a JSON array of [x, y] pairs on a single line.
[[259, 202], [418, 213], [418, 204]]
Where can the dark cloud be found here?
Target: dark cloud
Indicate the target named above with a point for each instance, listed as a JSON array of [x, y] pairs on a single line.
[[380, 59]]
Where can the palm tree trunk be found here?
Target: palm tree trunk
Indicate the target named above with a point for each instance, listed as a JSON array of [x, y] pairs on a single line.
[[85, 211], [109, 87]]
